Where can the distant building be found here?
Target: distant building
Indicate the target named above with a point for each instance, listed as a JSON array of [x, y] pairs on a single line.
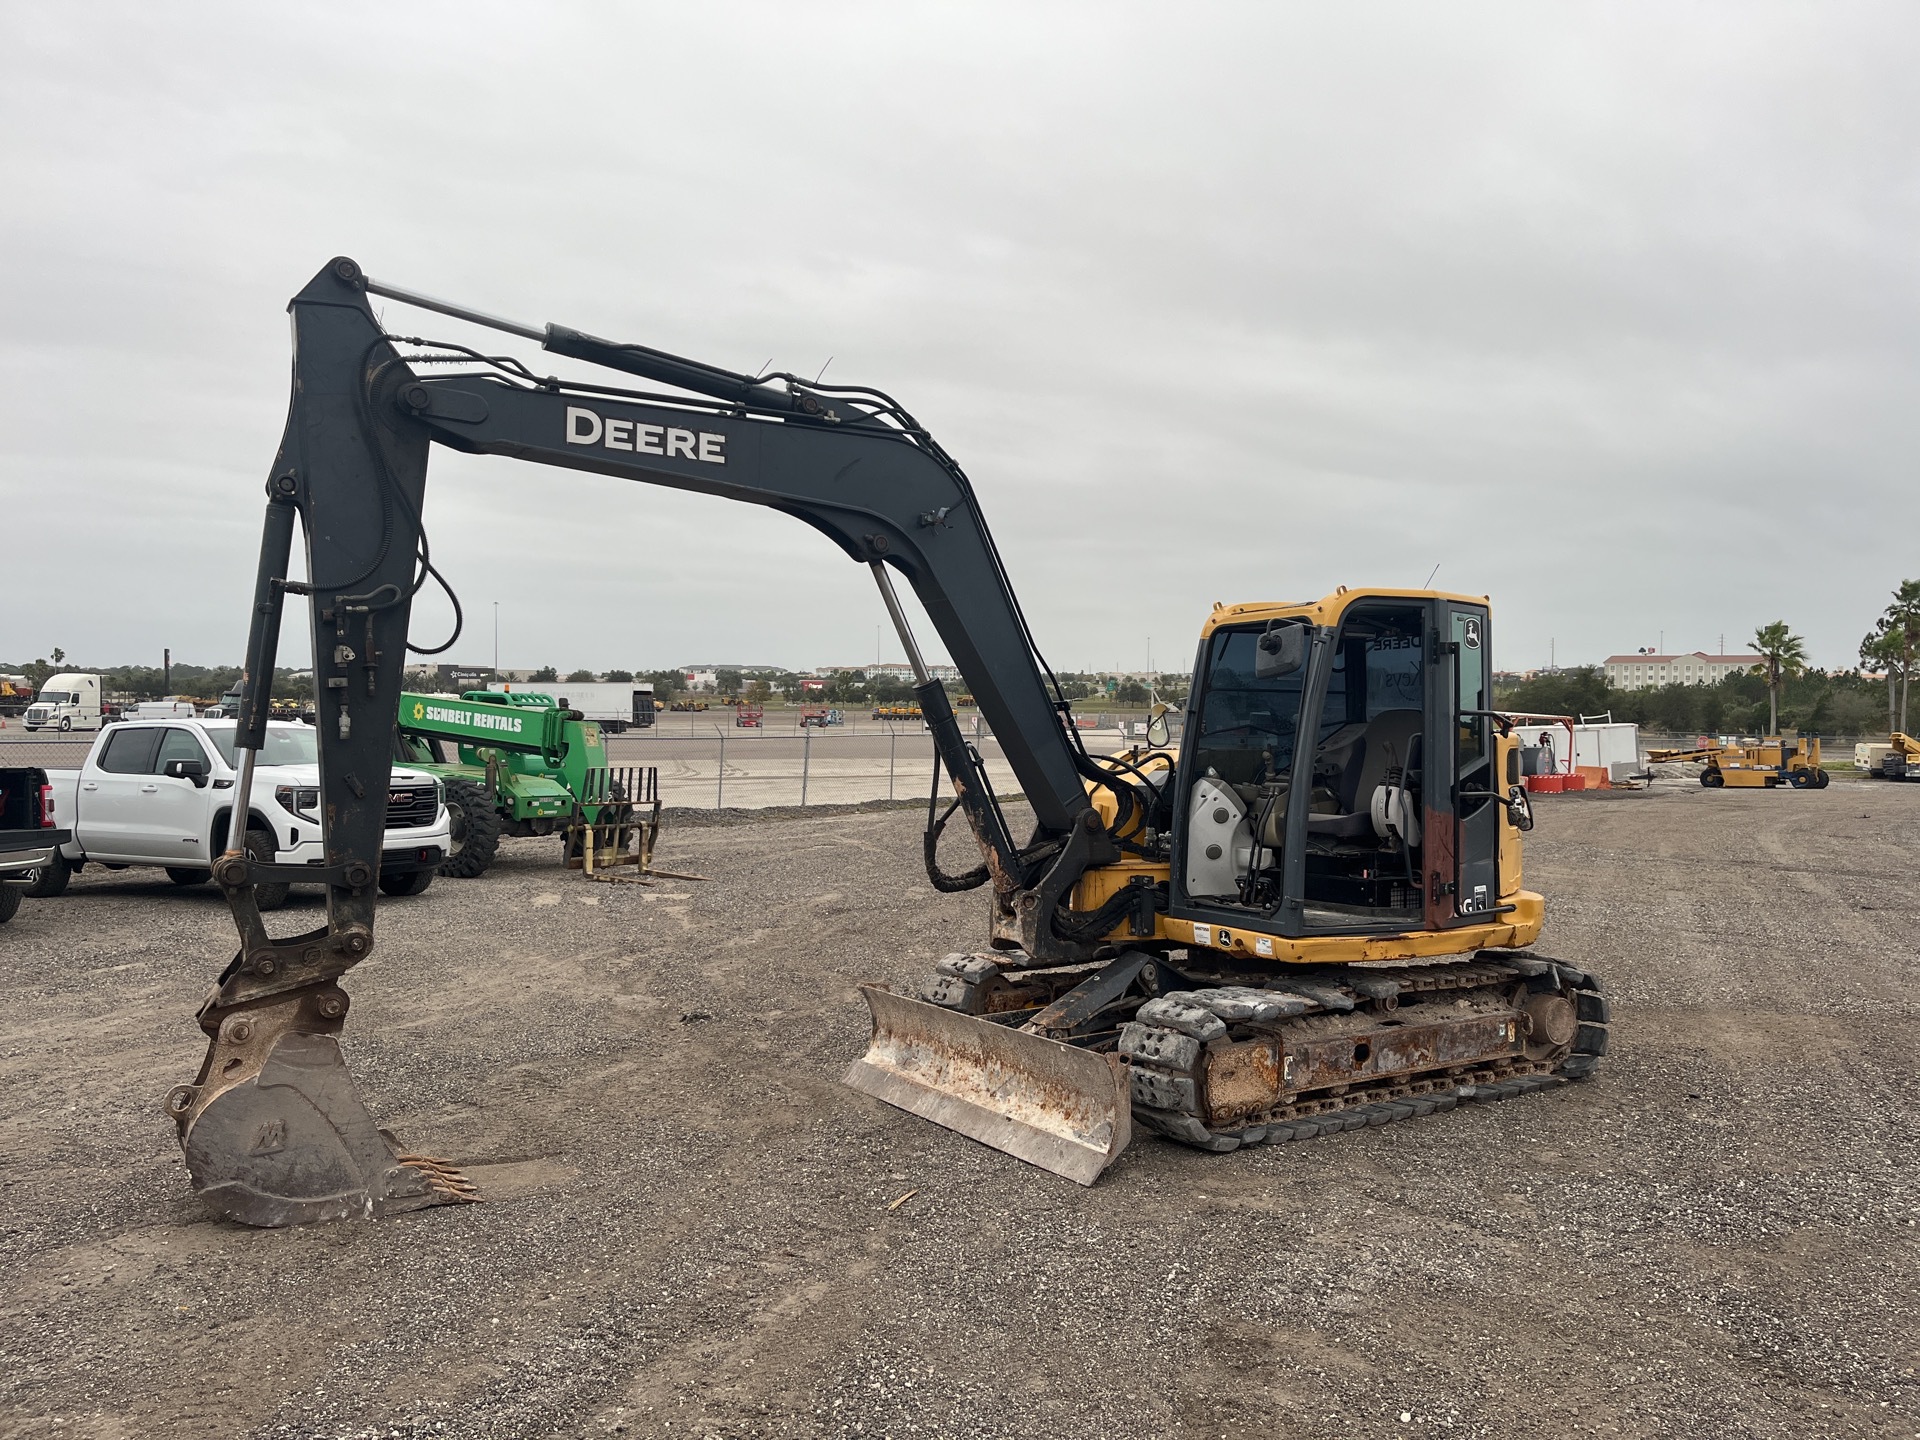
[[892, 670], [1645, 671]]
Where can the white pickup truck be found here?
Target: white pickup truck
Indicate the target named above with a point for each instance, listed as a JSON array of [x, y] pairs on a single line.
[[161, 793]]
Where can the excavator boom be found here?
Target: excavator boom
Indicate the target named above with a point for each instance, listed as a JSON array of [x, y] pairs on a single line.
[[272, 1131]]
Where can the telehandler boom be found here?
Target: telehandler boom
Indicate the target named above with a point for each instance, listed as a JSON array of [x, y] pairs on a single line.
[[1237, 942]]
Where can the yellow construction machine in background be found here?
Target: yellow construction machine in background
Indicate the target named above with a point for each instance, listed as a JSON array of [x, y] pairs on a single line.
[[1777, 760], [1897, 759]]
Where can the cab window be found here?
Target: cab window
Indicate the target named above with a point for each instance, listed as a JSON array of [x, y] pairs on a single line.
[[177, 744], [130, 752]]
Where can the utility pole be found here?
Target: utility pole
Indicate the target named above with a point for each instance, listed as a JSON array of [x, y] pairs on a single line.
[[166, 672], [496, 639]]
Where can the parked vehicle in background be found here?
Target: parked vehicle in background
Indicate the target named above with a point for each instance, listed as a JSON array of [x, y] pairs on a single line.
[[16, 693], [1895, 758], [514, 764], [66, 702], [749, 717], [160, 794], [227, 709], [688, 706], [169, 709], [818, 715], [28, 835], [616, 706]]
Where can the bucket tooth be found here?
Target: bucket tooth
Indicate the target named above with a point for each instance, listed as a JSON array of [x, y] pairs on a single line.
[[292, 1144], [1054, 1105]]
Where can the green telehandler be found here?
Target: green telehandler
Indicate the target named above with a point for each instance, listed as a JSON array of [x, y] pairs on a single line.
[[521, 765]]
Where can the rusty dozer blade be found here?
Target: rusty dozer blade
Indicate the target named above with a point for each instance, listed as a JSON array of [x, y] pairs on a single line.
[[1053, 1105], [275, 1134]]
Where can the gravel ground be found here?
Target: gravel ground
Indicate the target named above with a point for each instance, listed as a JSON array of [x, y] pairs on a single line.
[[692, 1230]]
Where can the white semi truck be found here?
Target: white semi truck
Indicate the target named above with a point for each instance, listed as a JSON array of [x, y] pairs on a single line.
[[617, 705], [65, 702]]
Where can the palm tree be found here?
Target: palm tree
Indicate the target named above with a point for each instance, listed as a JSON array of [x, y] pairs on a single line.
[[1783, 656], [1881, 651], [1902, 624]]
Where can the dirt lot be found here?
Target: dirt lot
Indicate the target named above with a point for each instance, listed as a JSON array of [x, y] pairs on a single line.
[[690, 1229]]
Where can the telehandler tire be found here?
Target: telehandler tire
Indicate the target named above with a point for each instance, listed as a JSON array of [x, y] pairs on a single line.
[[476, 830]]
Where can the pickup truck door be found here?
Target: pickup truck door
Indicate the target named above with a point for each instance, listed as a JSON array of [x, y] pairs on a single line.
[[117, 779], [175, 818]]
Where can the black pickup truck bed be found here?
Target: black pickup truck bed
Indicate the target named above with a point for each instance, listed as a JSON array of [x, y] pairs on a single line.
[[27, 834]]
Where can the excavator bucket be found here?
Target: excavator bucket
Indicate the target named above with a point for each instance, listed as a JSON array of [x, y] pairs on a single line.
[[289, 1143], [1053, 1105]]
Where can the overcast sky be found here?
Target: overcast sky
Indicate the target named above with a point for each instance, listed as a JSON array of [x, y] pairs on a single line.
[[1608, 311]]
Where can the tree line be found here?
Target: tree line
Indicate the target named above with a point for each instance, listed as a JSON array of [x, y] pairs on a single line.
[[1781, 690], [152, 682]]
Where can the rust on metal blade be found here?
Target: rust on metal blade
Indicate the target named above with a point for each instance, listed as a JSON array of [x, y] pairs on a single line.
[[1064, 1109]]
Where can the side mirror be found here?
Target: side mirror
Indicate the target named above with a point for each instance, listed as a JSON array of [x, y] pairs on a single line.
[[194, 770], [1281, 651], [1158, 730], [1519, 809]]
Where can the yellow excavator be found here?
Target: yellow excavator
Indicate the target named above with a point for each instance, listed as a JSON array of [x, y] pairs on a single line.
[[1307, 918]]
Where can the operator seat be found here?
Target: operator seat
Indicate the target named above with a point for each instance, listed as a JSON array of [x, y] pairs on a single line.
[[1392, 740]]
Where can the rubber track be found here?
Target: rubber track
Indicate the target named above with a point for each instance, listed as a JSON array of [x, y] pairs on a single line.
[[1415, 1096]]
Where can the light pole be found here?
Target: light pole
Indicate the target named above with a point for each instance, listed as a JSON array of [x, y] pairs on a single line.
[[496, 639]]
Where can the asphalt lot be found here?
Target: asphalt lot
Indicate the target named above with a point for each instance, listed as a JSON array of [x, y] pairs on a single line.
[[691, 1228]]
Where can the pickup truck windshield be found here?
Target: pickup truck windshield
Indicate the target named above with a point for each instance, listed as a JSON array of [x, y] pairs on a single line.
[[292, 746]]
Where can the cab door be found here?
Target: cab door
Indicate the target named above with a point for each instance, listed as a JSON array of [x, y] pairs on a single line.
[[114, 791], [1468, 678], [176, 818]]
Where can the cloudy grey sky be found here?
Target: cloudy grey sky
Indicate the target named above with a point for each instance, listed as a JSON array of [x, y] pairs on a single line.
[[1608, 310]]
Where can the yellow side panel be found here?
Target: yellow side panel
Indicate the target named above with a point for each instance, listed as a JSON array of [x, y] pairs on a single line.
[[1511, 931], [1506, 764]]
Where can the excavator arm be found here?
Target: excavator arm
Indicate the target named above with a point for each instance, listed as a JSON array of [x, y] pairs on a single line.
[[272, 1131]]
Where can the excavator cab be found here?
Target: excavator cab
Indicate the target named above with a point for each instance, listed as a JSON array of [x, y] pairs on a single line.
[[1339, 770]]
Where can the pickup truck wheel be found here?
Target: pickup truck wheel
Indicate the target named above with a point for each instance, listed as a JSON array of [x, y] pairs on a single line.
[[51, 878], [476, 830], [10, 897], [411, 883], [180, 875], [273, 894]]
